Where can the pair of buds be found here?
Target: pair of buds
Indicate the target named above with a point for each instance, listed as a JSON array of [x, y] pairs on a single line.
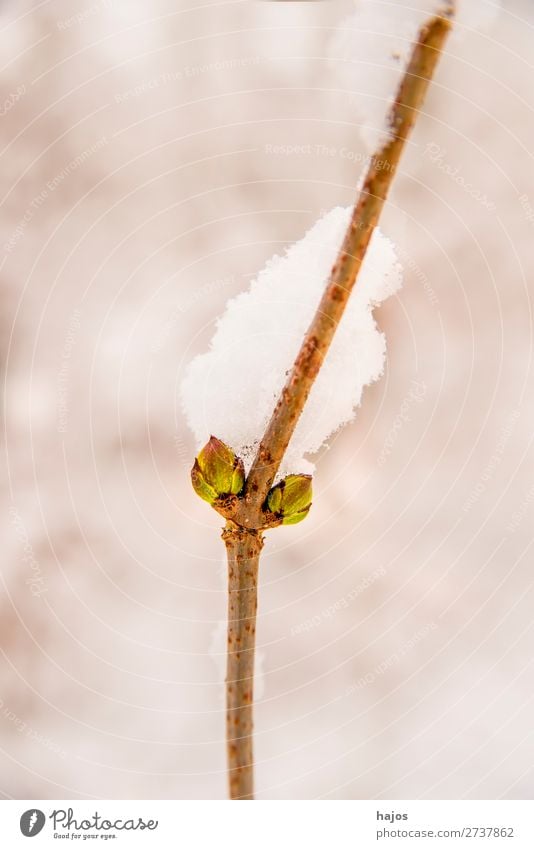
[[218, 473]]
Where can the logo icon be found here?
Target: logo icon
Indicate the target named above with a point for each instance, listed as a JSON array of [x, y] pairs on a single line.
[[32, 822]]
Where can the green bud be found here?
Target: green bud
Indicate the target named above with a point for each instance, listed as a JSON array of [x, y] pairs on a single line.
[[291, 499], [217, 472]]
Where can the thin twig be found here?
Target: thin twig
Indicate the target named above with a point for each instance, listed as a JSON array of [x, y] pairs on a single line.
[[246, 515], [243, 549], [344, 274]]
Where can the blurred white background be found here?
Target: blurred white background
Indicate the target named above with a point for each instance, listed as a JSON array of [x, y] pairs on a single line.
[[139, 191]]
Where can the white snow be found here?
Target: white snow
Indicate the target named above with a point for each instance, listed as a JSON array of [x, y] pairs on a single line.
[[374, 44], [231, 390]]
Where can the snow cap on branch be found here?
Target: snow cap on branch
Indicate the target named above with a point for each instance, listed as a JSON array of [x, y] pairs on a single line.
[[231, 390]]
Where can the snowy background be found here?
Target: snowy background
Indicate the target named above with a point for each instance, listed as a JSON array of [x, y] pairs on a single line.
[[154, 156]]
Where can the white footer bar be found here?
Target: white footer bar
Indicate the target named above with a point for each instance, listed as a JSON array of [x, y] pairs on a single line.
[[269, 825]]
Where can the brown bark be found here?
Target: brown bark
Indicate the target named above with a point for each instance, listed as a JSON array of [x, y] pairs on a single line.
[[243, 548]]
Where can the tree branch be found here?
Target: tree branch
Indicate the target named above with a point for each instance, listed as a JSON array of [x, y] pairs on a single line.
[[246, 512], [243, 549], [380, 174]]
